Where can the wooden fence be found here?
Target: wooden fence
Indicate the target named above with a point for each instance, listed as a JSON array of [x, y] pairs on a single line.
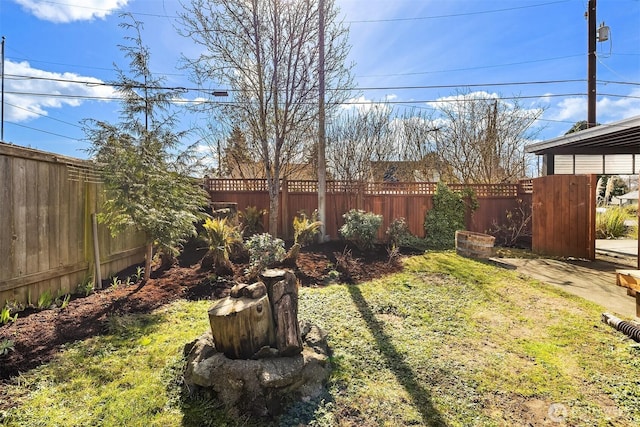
[[564, 216], [46, 239], [410, 200]]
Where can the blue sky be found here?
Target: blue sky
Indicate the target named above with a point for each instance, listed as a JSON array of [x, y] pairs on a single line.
[[435, 47]]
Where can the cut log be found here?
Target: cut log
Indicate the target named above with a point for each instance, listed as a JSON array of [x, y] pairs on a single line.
[[253, 291], [242, 326], [272, 276], [284, 302]]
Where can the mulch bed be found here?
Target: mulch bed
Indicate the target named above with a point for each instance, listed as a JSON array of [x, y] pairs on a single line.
[[38, 335]]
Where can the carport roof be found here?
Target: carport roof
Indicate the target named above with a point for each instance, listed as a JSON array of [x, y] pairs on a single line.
[[622, 137]]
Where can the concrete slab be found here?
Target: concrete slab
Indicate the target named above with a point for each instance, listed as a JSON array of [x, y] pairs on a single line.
[[617, 247], [594, 281]]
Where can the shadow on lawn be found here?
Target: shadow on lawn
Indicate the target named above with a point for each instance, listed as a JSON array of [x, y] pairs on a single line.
[[396, 363]]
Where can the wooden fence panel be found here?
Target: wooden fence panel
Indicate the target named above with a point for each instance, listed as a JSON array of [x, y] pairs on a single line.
[[564, 216], [45, 226], [392, 200]]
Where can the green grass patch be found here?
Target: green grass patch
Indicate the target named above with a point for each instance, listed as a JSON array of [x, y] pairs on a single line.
[[449, 341]]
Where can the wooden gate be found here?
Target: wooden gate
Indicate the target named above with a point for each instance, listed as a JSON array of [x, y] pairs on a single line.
[[564, 216]]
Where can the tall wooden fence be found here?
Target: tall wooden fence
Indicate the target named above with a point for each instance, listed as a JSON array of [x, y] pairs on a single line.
[[46, 239], [564, 215], [410, 200]]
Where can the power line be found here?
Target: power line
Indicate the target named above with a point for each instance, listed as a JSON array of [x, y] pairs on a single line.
[[187, 101], [208, 91], [455, 15], [82, 66], [45, 131], [417, 73], [362, 21], [43, 115]]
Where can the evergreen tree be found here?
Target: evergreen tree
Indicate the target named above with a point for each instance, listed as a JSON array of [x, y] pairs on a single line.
[[146, 184]]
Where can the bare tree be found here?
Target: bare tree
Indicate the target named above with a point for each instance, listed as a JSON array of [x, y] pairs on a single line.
[[267, 52], [483, 137], [358, 138], [416, 134]]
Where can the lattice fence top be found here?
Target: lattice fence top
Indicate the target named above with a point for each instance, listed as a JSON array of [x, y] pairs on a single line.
[[408, 188], [83, 174]]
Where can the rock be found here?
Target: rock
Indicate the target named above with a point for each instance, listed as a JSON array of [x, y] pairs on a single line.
[[261, 387]]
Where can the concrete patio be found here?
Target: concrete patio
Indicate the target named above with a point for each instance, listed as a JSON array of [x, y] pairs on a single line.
[[592, 280]]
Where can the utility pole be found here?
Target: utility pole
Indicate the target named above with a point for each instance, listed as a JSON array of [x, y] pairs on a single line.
[[591, 66], [322, 165], [2, 101]]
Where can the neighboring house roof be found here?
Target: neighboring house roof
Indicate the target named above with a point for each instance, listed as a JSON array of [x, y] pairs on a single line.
[[622, 137], [425, 170], [632, 195], [255, 170]]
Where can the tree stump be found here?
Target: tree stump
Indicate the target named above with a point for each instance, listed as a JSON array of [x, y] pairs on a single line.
[[282, 289], [242, 326]]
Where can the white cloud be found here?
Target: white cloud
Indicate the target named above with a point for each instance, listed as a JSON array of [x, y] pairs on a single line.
[[463, 96], [363, 104], [570, 109], [608, 109], [67, 11], [27, 96]]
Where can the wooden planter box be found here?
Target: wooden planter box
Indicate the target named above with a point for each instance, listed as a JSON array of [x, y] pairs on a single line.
[[474, 245]]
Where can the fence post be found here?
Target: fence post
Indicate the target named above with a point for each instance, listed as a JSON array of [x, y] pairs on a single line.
[[284, 209], [96, 251]]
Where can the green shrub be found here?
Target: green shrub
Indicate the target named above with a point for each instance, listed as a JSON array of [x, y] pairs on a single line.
[[398, 232], [360, 228], [610, 223], [264, 250], [221, 235], [251, 220], [398, 235], [223, 239], [446, 216], [306, 229]]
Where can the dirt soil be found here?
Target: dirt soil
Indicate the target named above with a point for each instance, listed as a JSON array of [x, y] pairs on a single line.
[[38, 335]]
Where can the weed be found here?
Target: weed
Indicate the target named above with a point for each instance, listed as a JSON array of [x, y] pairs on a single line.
[[333, 276], [5, 347], [45, 300], [139, 273], [85, 288], [5, 315], [115, 282], [63, 301], [394, 255]]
